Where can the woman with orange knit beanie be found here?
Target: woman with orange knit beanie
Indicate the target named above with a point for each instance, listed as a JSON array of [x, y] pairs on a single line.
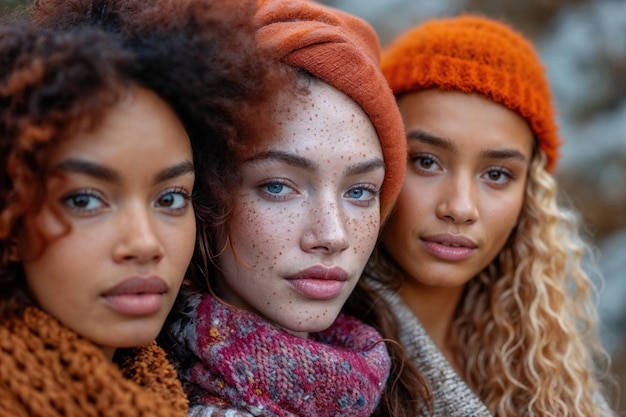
[[479, 263], [110, 114], [267, 333]]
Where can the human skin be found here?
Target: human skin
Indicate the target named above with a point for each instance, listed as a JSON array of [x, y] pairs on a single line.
[[307, 213], [118, 225], [462, 195]]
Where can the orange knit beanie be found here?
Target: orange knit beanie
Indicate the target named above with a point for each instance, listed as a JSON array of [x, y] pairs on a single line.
[[343, 51], [475, 54]]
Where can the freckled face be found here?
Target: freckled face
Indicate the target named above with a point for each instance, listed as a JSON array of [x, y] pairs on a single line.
[[307, 213], [119, 225], [464, 188]]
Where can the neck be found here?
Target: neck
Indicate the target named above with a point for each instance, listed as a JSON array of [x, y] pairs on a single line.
[[434, 307]]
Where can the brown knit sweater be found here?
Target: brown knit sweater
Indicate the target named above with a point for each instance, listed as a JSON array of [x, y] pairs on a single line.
[[47, 370]]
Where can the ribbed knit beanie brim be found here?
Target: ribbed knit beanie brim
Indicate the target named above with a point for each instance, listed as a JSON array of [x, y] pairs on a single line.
[[475, 54], [343, 51]]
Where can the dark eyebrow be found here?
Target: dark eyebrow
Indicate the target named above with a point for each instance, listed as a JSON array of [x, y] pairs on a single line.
[[503, 154], [92, 169], [174, 171], [81, 166], [307, 164], [430, 139], [364, 167], [285, 157]]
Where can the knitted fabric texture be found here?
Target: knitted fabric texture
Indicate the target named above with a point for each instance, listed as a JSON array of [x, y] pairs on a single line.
[[474, 54], [47, 370], [451, 396], [232, 359], [343, 51]]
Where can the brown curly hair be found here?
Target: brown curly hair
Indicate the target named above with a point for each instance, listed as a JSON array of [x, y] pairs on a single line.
[[82, 57]]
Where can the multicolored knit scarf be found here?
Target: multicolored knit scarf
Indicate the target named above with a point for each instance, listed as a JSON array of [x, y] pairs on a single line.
[[233, 359], [46, 370]]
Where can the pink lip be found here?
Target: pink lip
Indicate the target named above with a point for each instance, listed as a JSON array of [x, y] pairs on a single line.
[[136, 296], [319, 282], [449, 247]]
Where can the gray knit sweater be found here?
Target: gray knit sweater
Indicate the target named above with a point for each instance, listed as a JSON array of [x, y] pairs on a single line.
[[451, 396]]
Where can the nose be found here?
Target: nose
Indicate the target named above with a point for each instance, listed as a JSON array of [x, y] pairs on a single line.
[[137, 240], [326, 229], [457, 202]]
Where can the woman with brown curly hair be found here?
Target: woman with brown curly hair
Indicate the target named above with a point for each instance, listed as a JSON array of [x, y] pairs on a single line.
[[479, 263], [109, 122]]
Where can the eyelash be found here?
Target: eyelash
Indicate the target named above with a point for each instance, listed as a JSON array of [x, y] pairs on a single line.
[[502, 171], [67, 200], [180, 191], [273, 196], [417, 158], [373, 194], [89, 193]]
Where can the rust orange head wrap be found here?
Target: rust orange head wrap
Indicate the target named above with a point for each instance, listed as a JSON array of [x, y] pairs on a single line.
[[475, 54], [343, 51]]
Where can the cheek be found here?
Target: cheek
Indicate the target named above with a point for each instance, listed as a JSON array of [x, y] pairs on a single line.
[[408, 207], [259, 234], [503, 219], [182, 240], [39, 233], [364, 231]]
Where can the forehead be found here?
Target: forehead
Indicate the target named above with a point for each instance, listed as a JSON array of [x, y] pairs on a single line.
[[465, 120], [322, 118], [140, 123]]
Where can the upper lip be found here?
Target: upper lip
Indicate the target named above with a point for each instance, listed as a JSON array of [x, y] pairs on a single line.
[[321, 272], [138, 285], [451, 240]]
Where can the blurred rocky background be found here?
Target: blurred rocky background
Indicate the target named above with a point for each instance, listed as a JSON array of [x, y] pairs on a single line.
[[583, 45]]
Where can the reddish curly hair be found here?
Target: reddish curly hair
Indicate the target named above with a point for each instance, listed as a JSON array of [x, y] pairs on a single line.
[[81, 57]]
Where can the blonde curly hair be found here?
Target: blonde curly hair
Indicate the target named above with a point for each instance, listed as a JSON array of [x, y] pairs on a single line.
[[525, 328], [528, 322]]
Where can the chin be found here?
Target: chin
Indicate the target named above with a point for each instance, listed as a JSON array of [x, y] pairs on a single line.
[[313, 326]]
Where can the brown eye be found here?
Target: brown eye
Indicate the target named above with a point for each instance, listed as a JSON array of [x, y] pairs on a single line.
[[426, 162], [80, 201], [173, 200], [83, 201]]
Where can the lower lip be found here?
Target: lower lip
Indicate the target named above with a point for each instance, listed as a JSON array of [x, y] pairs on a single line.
[[321, 289], [135, 304], [447, 253]]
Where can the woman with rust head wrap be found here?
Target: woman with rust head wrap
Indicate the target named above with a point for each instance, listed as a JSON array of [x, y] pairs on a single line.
[[268, 333]]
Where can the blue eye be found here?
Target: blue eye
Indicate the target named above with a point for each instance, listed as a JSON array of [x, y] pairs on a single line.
[[356, 193], [277, 190], [274, 188], [362, 195]]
